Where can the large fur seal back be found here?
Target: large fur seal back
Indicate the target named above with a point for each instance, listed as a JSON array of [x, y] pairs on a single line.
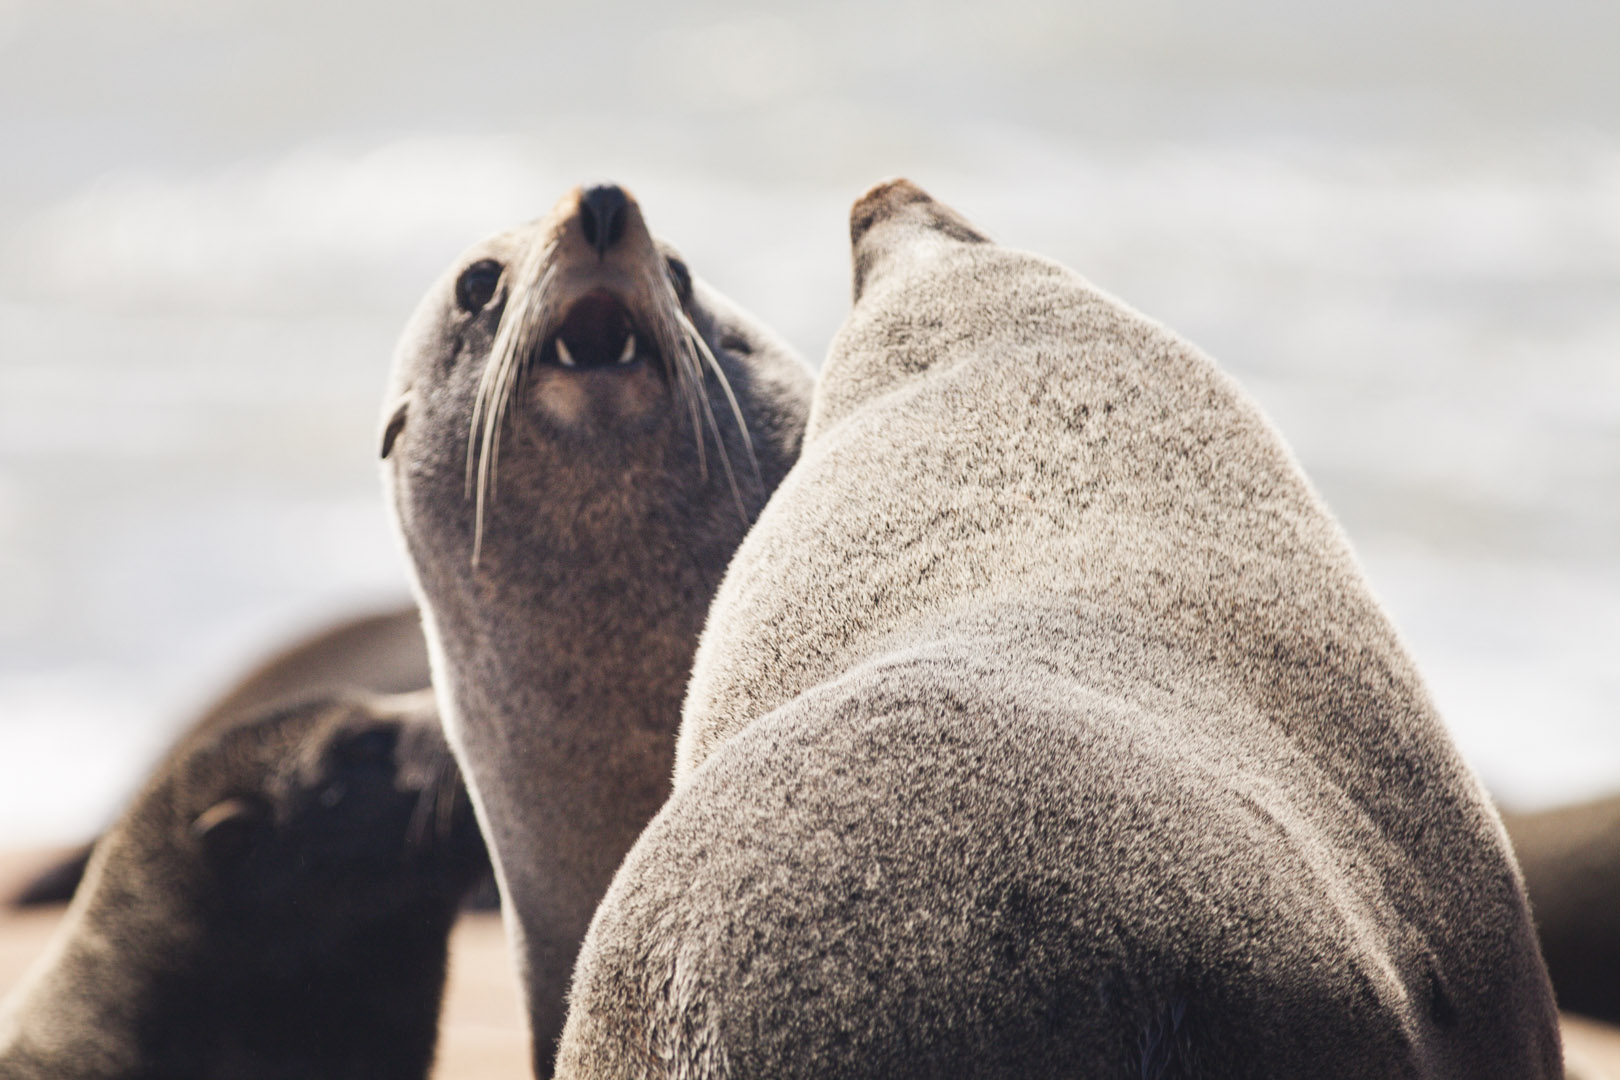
[[1044, 727]]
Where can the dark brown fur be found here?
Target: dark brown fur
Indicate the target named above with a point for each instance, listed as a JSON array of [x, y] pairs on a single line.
[[275, 905], [382, 652], [1571, 862]]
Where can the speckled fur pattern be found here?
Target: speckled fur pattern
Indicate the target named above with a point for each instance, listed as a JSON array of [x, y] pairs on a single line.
[[1044, 726], [561, 654], [276, 904]]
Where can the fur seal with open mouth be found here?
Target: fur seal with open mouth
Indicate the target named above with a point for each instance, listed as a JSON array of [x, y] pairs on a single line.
[[578, 434], [1044, 726], [275, 905]]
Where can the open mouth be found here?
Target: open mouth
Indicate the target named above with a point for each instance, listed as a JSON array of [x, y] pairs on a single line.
[[598, 334]]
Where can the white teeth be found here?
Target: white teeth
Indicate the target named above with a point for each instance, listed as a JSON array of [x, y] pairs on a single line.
[[563, 354], [629, 352]]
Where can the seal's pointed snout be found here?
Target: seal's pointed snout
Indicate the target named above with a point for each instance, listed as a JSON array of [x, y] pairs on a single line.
[[893, 219], [602, 214]]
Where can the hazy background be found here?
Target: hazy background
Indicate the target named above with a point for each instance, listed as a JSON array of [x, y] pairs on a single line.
[[1400, 230]]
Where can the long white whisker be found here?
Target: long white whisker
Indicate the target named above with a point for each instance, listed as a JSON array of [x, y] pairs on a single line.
[[528, 313], [703, 350], [422, 813], [686, 379], [719, 436], [692, 391], [444, 799]]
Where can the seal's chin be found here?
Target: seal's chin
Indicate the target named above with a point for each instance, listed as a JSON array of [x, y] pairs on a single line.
[[599, 333]]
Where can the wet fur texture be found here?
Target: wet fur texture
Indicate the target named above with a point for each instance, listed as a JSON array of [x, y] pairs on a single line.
[[1044, 726], [563, 592], [275, 905]]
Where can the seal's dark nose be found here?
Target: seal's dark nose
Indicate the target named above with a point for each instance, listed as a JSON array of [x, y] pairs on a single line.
[[601, 215]]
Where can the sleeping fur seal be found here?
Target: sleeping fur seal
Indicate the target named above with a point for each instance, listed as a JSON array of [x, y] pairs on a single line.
[[1570, 856], [380, 651], [275, 905], [1044, 726], [579, 434]]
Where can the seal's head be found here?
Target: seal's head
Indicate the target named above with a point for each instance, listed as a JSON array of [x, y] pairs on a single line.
[[276, 903], [315, 821], [578, 434], [555, 358]]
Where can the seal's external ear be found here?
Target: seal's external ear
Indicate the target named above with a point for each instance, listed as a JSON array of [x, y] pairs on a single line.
[[396, 424], [230, 829], [914, 220]]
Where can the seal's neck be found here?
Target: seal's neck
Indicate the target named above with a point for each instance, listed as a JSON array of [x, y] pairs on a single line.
[[560, 683]]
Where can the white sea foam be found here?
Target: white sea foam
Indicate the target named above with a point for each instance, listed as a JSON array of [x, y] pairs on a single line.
[[195, 326]]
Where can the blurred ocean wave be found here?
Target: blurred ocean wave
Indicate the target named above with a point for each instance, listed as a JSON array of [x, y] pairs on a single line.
[[217, 217]]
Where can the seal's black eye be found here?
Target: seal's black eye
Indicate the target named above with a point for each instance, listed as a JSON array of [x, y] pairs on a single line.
[[679, 276], [476, 285]]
